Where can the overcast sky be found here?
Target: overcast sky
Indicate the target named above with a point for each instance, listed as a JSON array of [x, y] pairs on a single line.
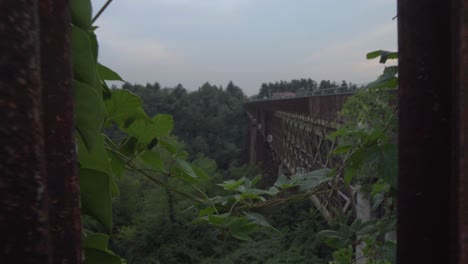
[[246, 41]]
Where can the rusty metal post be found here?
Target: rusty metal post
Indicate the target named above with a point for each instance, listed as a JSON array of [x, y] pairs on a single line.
[[430, 132], [23, 210], [460, 106], [39, 195], [59, 127]]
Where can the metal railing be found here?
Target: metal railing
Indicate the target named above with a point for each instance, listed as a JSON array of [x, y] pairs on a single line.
[[320, 92]]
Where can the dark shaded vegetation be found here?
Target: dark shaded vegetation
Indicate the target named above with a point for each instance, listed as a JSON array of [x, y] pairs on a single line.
[[154, 225], [146, 234], [209, 121]]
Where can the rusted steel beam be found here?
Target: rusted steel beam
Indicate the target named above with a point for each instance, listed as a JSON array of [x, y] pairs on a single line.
[[39, 194], [23, 210], [430, 132], [59, 124], [460, 104], [324, 107]]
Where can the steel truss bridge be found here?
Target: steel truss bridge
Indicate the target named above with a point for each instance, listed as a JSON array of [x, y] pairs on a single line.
[[289, 135]]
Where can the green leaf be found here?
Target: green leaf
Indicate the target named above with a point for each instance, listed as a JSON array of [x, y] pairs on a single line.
[[379, 187], [256, 179], [96, 198], [84, 65], [218, 220], [387, 80], [335, 239], [206, 211], [108, 74], [366, 228], [350, 172], [315, 179], [357, 157], [89, 112], [258, 219], [143, 130], [200, 172], [96, 240], [117, 166], [389, 254], [186, 168], [169, 146], [124, 105], [232, 185], [370, 157], [373, 54], [283, 182], [273, 191], [81, 13], [96, 158], [388, 167], [95, 256], [391, 70], [94, 46], [164, 124], [129, 146], [341, 149], [247, 184], [249, 195], [240, 228], [106, 91], [387, 55], [154, 160], [377, 200], [383, 54]]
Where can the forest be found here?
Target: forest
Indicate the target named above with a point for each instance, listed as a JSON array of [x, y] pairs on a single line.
[[211, 126], [161, 174], [156, 225], [99, 170], [164, 176]]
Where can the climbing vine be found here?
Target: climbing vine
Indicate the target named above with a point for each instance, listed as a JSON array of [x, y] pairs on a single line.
[[146, 148], [368, 143]]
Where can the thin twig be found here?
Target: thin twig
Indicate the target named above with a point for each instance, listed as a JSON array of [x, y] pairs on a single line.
[[163, 184], [207, 198], [100, 11], [232, 207]]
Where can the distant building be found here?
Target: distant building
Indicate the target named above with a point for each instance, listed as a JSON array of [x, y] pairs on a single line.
[[283, 94]]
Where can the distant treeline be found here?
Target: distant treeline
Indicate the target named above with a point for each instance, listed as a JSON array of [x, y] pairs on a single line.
[[303, 86], [209, 121]]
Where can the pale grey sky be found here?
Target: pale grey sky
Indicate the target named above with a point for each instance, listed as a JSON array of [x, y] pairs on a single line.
[[246, 41]]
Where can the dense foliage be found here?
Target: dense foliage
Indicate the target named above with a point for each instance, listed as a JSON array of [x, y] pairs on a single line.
[[368, 142], [210, 121], [174, 207]]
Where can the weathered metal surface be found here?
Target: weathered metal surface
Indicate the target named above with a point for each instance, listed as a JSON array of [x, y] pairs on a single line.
[[23, 210], [323, 107], [426, 137], [460, 103], [296, 127], [59, 139], [39, 194], [302, 143], [294, 132]]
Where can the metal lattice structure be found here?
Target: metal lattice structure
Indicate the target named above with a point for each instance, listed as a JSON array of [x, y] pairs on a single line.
[[291, 134]]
